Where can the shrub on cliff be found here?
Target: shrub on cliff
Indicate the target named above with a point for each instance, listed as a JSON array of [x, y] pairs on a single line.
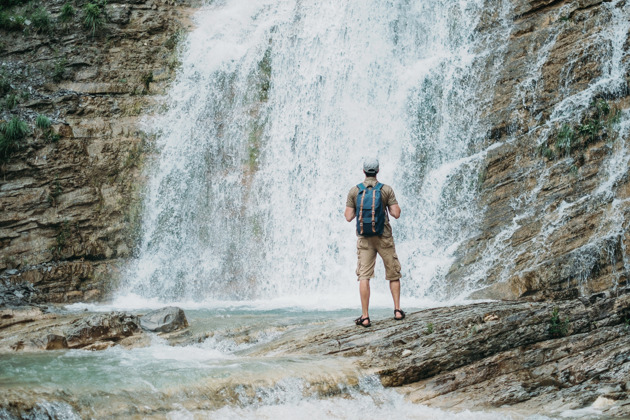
[[558, 327], [40, 19], [59, 70], [10, 22], [12, 133], [94, 15], [597, 123], [67, 13]]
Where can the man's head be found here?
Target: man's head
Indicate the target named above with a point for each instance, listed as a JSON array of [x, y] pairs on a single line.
[[370, 166]]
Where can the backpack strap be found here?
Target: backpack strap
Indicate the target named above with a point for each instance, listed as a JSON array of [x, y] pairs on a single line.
[[361, 189]]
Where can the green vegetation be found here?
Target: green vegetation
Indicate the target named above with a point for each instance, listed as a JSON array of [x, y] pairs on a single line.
[[566, 138], [429, 329], [55, 191], [42, 122], [10, 101], [67, 14], [11, 22], [61, 239], [59, 70], [264, 72], [597, 124], [40, 19], [94, 16], [5, 84], [147, 79], [12, 133], [558, 327], [134, 157]]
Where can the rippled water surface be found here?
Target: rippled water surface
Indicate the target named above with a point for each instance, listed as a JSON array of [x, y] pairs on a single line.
[[215, 378]]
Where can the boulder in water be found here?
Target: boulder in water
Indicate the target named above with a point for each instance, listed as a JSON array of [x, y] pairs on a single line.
[[166, 319], [102, 327], [55, 342]]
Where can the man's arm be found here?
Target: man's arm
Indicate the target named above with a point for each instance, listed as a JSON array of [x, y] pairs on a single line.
[[394, 210], [350, 213]]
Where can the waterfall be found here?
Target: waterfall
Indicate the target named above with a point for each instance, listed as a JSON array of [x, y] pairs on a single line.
[[273, 110]]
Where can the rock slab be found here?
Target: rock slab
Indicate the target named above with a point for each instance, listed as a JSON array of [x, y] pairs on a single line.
[[166, 319], [102, 327]]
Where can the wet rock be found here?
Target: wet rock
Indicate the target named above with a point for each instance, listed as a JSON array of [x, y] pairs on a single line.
[[70, 197], [166, 319], [135, 341], [548, 229], [119, 13], [99, 345], [16, 294], [102, 327], [53, 342], [495, 354]]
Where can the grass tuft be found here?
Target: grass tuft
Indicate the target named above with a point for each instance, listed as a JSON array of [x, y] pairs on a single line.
[[42, 122], [59, 70], [11, 22], [67, 13], [40, 20], [94, 16], [598, 123], [12, 134], [558, 327]]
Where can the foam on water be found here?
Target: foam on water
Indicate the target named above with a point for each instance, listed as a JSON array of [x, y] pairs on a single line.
[[320, 302], [366, 402]]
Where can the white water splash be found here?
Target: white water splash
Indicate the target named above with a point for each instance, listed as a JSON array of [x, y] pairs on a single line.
[[499, 256], [275, 106]]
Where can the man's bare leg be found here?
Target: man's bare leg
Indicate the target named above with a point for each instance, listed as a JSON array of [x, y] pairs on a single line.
[[394, 287], [364, 291]]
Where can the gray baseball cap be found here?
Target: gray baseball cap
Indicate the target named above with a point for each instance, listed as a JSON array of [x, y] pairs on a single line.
[[370, 165]]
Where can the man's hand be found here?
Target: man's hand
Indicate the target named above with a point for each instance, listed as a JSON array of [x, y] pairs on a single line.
[[394, 210], [349, 213]]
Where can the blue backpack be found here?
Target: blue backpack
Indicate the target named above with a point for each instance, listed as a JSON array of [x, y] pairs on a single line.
[[370, 211]]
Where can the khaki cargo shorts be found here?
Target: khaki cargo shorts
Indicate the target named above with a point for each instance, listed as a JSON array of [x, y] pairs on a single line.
[[367, 248]]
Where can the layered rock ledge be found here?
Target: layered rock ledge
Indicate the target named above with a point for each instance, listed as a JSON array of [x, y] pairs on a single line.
[[69, 195], [510, 356], [497, 355]]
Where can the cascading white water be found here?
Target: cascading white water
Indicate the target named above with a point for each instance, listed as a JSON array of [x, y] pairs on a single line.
[[499, 255], [275, 106]]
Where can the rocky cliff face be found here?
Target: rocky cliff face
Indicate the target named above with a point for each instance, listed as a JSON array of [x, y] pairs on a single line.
[[554, 189], [69, 193], [555, 184]]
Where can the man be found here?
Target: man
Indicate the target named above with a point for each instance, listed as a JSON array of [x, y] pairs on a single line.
[[369, 246]]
